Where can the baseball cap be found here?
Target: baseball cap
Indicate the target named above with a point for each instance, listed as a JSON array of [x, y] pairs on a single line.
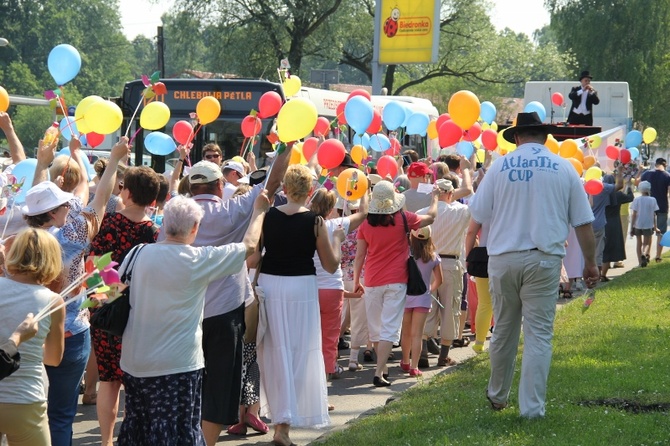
[[44, 197], [644, 186], [418, 170], [422, 233], [234, 165], [204, 172]]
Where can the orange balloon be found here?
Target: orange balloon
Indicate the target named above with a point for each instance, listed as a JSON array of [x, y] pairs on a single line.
[[464, 108], [589, 160], [568, 148], [4, 100], [352, 184], [432, 129], [358, 154], [577, 165], [552, 145], [579, 156]]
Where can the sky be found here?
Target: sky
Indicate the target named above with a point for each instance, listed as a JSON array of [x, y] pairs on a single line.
[[142, 17]]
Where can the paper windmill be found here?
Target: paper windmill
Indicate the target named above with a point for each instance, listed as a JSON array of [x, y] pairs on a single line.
[[103, 280], [153, 87]]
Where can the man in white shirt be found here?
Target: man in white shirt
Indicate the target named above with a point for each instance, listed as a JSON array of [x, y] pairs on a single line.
[[529, 197]]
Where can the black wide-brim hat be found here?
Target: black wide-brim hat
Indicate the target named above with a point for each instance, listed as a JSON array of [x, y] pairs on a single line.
[[585, 74], [348, 162], [525, 121]]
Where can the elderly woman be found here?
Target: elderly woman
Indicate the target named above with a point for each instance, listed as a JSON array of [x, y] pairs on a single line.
[[293, 383], [33, 261], [383, 247], [162, 357]]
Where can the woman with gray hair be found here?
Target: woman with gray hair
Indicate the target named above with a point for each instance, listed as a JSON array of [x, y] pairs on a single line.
[[162, 357]]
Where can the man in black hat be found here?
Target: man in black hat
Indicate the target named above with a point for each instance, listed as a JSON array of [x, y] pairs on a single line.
[[528, 198], [583, 98], [346, 163]]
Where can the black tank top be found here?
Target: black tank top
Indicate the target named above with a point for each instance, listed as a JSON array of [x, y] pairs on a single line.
[[290, 243]]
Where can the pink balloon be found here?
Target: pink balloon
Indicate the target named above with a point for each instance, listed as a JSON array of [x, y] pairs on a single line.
[[269, 104], [182, 132], [557, 99], [449, 133], [387, 166], [322, 127]]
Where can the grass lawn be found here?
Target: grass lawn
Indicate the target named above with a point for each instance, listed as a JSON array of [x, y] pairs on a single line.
[[616, 351]]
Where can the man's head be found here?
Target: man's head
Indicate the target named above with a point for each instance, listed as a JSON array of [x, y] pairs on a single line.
[[346, 163], [212, 152], [447, 186], [205, 177], [661, 163], [233, 171], [418, 173], [452, 160], [528, 128], [585, 79]]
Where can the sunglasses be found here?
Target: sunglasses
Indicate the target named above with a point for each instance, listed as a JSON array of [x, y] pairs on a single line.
[[214, 155]]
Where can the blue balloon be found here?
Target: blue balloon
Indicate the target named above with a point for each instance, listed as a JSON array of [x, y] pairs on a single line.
[[362, 140], [67, 130], [634, 153], [536, 107], [158, 143], [665, 240], [465, 148], [408, 114], [393, 115], [488, 112], [83, 140], [24, 170], [90, 171], [380, 142], [64, 63], [633, 138], [417, 124], [358, 112]]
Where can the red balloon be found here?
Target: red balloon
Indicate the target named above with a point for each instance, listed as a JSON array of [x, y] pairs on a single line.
[[473, 132], [395, 147], [269, 104], [612, 152], [593, 187], [182, 132], [360, 92], [340, 114], [376, 123], [624, 156], [251, 126], [331, 153], [557, 99], [322, 127], [490, 139], [387, 166], [444, 117], [94, 139], [309, 147], [449, 133]]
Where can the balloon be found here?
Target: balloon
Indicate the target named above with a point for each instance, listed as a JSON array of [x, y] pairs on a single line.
[[94, 139], [465, 148], [665, 240], [182, 132], [309, 147], [251, 126], [297, 157], [473, 132], [593, 187], [90, 171], [503, 144], [358, 154], [360, 92], [269, 104], [362, 140], [634, 152], [568, 148], [624, 156], [481, 155], [577, 165], [552, 145], [417, 124], [68, 127], [380, 142], [376, 124], [444, 117], [331, 153], [464, 108], [208, 110], [432, 129], [296, 119], [4, 100], [593, 173], [489, 138], [24, 170], [557, 99], [292, 86], [158, 143], [487, 112], [612, 152], [387, 166], [155, 115], [395, 147], [595, 141], [103, 117], [341, 119], [322, 127], [393, 115], [81, 109], [648, 136], [352, 184], [536, 107], [589, 161], [358, 112], [450, 133], [579, 155], [633, 138], [408, 113], [83, 140], [64, 63]]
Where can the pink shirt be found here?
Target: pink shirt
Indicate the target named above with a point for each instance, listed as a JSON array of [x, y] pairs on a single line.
[[388, 250]]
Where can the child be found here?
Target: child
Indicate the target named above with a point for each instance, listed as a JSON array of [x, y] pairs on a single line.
[[417, 307], [643, 221]]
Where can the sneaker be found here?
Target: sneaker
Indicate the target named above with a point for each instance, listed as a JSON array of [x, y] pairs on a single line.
[[478, 348], [342, 344], [415, 372], [354, 367]]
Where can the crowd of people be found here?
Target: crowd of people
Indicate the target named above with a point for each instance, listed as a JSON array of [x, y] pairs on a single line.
[[200, 248]]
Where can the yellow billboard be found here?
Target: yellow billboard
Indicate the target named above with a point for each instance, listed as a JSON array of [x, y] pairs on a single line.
[[409, 31]]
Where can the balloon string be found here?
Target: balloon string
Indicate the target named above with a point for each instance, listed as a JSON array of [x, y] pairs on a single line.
[[130, 123], [242, 149], [63, 106], [9, 217], [134, 135]]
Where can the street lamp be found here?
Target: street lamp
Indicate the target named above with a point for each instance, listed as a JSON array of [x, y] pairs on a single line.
[[3, 41]]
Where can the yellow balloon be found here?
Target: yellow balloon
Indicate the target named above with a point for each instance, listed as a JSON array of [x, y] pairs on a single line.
[[649, 135], [464, 108], [432, 129], [352, 184], [80, 112], [593, 173], [552, 144], [504, 144], [577, 165], [568, 148], [296, 119], [494, 126], [154, 116], [595, 141], [481, 153], [358, 154], [296, 156], [4, 100], [208, 110], [485, 126], [579, 156], [103, 117], [292, 86]]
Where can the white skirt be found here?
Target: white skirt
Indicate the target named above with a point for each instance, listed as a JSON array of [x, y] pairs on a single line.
[[293, 378]]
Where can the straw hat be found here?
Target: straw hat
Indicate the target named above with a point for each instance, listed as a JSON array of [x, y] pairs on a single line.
[[385, 200]]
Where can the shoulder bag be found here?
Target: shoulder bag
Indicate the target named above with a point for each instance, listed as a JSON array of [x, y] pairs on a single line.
[[477, 262], [415, 284]]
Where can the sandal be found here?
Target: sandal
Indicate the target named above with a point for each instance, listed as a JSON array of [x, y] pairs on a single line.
[[658, 259], [495, 406], [567, 294]]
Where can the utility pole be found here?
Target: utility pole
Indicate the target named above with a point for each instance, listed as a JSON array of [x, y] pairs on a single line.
[[160, 43]]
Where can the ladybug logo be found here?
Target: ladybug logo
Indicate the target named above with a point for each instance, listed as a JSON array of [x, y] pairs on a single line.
[[391, 24]]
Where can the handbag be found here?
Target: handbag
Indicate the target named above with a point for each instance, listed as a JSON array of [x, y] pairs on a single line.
[[113, 317], [251, 312], [415, 283], [478, 262]]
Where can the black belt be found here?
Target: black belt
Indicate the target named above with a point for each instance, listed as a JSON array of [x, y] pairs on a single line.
[[448, 256]]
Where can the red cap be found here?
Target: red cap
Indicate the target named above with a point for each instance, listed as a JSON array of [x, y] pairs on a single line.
[[418, 170]]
